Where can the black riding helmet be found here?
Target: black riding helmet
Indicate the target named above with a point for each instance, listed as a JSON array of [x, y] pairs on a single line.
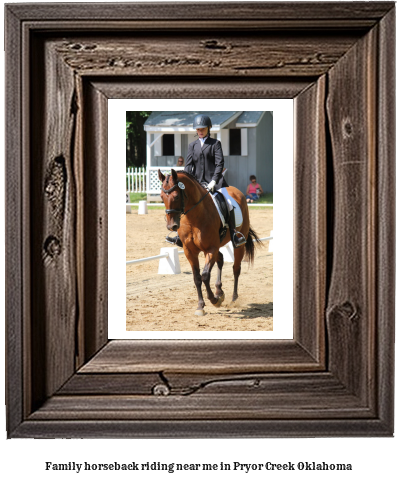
[[202, 121]]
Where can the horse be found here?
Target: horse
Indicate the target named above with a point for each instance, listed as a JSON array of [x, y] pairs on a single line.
[[191, 212]]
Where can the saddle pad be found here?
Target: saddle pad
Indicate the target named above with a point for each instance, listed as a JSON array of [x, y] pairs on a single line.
[[232, 203]]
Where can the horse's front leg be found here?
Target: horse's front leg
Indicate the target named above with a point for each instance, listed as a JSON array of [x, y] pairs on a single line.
[[218, 284], [210, 260], [194, 262]]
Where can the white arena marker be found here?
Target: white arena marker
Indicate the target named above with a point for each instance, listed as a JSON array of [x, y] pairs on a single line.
[[143, 210], [228, 252], [128, 208], [271, 242], [169, 264]]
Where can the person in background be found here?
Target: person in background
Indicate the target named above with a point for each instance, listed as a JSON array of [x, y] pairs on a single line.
[[254, 190], [180, 162]]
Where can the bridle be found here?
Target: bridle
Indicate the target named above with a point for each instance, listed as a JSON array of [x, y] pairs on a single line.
[[182, 193]]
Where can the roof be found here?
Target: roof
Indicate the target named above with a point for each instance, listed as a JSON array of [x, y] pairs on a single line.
[[161, 121], [250, 117], [185, 119]]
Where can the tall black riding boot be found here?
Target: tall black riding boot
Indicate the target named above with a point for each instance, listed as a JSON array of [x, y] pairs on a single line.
[[174, 240], [237, 238]]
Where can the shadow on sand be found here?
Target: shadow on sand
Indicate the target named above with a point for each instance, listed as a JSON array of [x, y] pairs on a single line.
[[252, 310]]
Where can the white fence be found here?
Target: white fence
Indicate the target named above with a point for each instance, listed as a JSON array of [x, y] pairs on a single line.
[[136, 180]]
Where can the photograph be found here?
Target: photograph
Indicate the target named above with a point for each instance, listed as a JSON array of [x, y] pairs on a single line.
[[199, 193]]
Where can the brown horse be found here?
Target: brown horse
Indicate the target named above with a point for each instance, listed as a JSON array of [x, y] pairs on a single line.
[[191, 212]]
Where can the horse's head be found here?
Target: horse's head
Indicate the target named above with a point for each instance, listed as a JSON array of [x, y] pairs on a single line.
[[172, 194]]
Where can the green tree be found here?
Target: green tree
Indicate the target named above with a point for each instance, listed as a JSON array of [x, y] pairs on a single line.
[[136, 138]]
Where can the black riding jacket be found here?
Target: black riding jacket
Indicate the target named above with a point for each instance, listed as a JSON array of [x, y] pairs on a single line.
[[206, 162]]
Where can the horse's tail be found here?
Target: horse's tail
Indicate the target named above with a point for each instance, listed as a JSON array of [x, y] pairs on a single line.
[[250, 245]]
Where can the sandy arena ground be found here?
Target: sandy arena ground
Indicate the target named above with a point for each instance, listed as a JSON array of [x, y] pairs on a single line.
[[167, 302]]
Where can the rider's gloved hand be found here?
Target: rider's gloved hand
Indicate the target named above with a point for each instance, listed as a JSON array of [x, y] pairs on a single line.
[[211, 186]]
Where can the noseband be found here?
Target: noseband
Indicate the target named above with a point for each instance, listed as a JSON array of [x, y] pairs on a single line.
[[181, 187]]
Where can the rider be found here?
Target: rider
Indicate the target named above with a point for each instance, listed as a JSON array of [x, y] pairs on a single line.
[[206, 162]]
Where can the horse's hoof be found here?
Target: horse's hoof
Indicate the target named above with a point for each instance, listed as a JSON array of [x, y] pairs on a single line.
[[219, 301], [199, 312]]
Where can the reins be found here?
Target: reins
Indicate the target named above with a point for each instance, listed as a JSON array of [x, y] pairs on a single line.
[[181, 187], [196, 204]]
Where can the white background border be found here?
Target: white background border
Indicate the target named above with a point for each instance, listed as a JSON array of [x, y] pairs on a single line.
[[282, 215]]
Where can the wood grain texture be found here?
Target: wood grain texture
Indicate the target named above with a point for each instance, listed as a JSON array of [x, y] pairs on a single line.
[[269, 396], [385, 245], [200, 356], [53, 212], [111, 384], [15, 257], [184, 384], [95, 155], [216, 54], [210, 26], [351, 306], [190, 428], [310, 244], [359, 14], [209, 407], [151, 87]]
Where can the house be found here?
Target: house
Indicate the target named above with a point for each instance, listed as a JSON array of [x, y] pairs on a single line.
[[246, 137]]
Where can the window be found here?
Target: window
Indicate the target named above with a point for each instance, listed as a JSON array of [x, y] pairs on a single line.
[[235, 142], [168, 145]]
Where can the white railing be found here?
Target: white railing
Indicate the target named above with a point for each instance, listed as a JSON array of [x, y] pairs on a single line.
[[136, 180], [154, 184], [154, 257], [163, 255]]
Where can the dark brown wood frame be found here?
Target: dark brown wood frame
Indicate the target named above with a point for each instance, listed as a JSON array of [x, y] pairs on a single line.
[[63, 62]]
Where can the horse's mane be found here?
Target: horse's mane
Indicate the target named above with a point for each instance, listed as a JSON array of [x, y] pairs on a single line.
[[191, 176]]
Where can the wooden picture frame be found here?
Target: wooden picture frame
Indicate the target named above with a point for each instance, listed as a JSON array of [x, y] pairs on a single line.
[[335, 378]]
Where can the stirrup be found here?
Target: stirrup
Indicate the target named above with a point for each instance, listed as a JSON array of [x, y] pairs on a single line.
[[238, 241]]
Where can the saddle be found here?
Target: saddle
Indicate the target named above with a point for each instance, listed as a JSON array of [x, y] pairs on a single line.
[[225, 204], [221, 205]]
